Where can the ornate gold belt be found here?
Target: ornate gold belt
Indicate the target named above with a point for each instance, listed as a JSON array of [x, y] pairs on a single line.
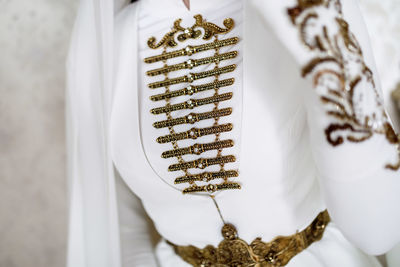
[[233, 251]]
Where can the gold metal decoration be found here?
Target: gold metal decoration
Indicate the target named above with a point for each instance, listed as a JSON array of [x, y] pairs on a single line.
[[211, 188], [192, 103], [210, 30], [191, 63], [233, 251], [206, 176], [193, 117], [201, 163], [207, 31], [340, 75], [195, 133], [197, 149], [191, 77], [192, 89], [191, 50]]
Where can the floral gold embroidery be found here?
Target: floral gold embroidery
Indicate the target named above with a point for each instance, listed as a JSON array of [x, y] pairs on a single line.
[[340, 75], [210, 30]]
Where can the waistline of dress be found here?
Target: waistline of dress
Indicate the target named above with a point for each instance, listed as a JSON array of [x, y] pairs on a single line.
[[233, 251]]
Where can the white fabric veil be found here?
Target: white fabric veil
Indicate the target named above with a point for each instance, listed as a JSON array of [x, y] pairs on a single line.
[[93, 221]]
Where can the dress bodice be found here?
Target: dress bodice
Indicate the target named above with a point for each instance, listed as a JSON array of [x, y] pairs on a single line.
[[296, 138], [215, 97], [279, 190]]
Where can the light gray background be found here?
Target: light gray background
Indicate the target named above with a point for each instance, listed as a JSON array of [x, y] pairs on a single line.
[[33, 43], [33, 212]]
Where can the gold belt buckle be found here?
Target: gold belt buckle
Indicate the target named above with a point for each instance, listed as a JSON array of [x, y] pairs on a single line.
[[235, 252]]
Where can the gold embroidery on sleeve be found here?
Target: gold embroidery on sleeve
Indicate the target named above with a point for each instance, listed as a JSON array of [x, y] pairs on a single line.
[[340, 75], [396, 96]]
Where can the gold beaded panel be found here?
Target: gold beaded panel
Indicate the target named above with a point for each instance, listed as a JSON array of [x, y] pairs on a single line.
[[195, 173]]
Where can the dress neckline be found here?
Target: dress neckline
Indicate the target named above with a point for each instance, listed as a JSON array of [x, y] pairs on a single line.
[[167, 8]]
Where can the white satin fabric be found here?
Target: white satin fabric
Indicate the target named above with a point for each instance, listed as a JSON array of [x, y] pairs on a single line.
[[283, 197]]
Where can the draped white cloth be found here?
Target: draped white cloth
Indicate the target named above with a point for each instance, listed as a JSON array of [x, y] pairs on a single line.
[[93, 231], [94, 222]]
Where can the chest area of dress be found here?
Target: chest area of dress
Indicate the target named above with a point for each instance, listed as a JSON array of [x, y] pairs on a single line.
[[190, 94], [201, 89], [247, 114], [247, 98]]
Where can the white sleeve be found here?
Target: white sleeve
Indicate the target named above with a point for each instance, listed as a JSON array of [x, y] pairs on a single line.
[[135, 232], [354, 145]]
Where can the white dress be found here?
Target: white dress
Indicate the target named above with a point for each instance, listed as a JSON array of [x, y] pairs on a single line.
[[296, 154], [279, 174]]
